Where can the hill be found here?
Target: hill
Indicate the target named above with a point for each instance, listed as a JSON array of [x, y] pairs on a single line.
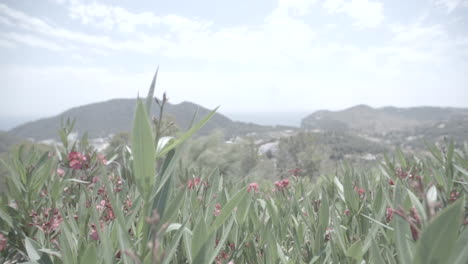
[[363, 118], [114, 116], [401, 126]]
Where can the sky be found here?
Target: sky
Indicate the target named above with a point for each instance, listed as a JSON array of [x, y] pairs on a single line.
[[247, 56]]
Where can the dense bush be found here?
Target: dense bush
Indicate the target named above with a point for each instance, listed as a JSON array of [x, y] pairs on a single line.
[[143, 205]]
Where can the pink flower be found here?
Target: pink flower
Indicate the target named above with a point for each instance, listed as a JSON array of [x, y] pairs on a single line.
[[278, 184], [252, 186], [360, 191], [389, 215], [77, 160], [60, 172], [197, 181], [217, 210], [102, 159], [3, 242], [190, 184], [283, 184], [346, 212], [295, 172], [328, 234], [390, 181], [94, 234]]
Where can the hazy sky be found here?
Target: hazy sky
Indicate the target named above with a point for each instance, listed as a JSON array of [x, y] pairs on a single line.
[[245, 55]]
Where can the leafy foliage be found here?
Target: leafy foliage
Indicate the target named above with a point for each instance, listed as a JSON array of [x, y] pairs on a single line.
[[158, 201]]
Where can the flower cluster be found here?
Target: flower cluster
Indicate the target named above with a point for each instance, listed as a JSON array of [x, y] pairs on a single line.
[[281, 185], [48, 220], [77, 160], [102, 159], [412, 219], [191, 184], [252, 187], [225, 254]]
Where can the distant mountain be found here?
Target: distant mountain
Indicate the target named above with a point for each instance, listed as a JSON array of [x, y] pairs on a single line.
[[114, 116], [364, 118], [410, 126]]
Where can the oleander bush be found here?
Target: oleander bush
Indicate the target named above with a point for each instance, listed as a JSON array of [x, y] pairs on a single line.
[[71, 204]]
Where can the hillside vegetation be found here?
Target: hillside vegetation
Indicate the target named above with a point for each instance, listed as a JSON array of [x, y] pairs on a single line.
[[162, 201]]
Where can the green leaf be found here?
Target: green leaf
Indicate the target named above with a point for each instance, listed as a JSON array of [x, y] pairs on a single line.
[[4, 216], [89, 255], [243, 209], [143, 150], [51, 252], [350, 194], [169, 252], [324, 212], [375, 256], [200, 241], [149, 97], [355, 251], [221, 242], [187, 135], [438, 239], [159, 202], [404, 247], [460, 250], [31, 249], [462, 170], [227, 210]]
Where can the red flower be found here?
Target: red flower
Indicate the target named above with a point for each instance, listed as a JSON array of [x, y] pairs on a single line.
[[416, 221], [391, 182], [252, 186], [193, 183], [346, 212], [3, 242]]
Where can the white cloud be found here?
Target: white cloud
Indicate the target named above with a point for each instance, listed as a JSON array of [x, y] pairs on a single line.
[[110, 17], [365, 13], [33, 41], [147, 44], [451, 5], [298, 7], [6, 43]]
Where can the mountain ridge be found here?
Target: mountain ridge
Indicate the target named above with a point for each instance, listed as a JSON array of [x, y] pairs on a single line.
[[101, 119]]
